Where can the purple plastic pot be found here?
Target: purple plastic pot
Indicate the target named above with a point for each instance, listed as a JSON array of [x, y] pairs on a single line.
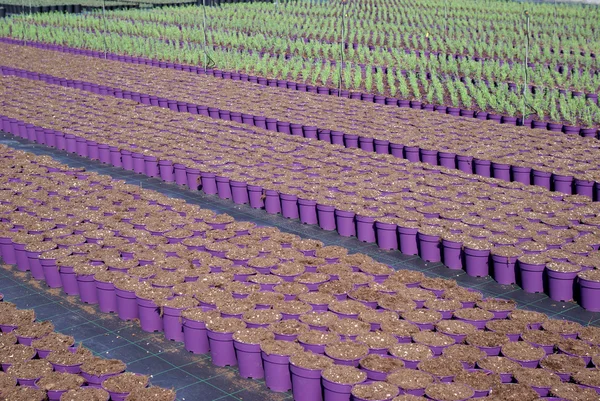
[[429, 247], [96, 381], [249, 359], [452, 254], [589, 294], [531, 277], [561, 284], [289, 206], [326, 217], [239, 192], [195, 337], [504, 269], [107, 297], [277, 372], [37, 272], [307, 211], [335, 391], [69, 280], [172, 323], [344, 221], [87, 288], [272, 202], [149, 315], [222, 350], [127, 307], [51, 274], [387, 237], [476, 262], [306, 384], [521, 174], [365, 228], [408, 240], [255, 196]]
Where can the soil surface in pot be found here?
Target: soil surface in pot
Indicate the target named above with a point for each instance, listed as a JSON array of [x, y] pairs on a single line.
[[343, 374], [478, 380], [376, 391], [32, 369], [442, 366], [410, 379], [449, 391], [60, 381], [310, 360], [125, 382], [100, 366], [380, 363], [151, 394]]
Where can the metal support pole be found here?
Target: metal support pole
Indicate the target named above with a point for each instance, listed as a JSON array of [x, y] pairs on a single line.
[[105, 29]]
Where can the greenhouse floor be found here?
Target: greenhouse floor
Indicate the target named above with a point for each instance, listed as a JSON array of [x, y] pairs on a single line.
[[168, 364]]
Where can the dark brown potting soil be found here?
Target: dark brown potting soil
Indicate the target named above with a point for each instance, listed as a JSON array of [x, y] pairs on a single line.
[[432, 338], [280, 347], [291, 288], [443, 304], [449, 391], [347, 350], [522, 351], [562, 363], [225, 325], [409, 397], [464, 353], [419, 294], [7, 383], [407, 276], [432, 283], [562, 326], [60, 381], [324, 319], [422, 316], [335, 269], [377, 339], [486, 339], [16, 353], [53, 342], [366, 294], [293, 307], [318, 337], [399, 327], [262, 316], [380, 363], [335, 287], [253, 336], [588, 377], [349, 307], [266, 298], [513, 392], [233, 306], [541, 337], [376, 391], [442, 366], [578, 347], [536, 377], [590, 334], [411, 351], [289, 327], [35, 329], [377, 316], [504, 326], [125, 382], [527, 317], [410, 379], [7, 339], [478, 380], [462, 294], [316, 298], [454, 327], [180, 302], [32, 369], [343, 374], [573, 392], [17, 317], [21, 393], [310, 360], [473, 314], [100, 366], [66, 358], [497, 305], [397, 303], [312, 278], [198, 315], [350, 327], [498, 364], [151, 394]]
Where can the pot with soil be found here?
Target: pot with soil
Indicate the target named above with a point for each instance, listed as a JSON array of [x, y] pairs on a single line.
[[68, 361], [125, 289], [566, 328], [375, 317], [247, 346], [411, 381], [424, 319], [56, 384], [319, 301], [474, 316], [25, 394], [443, 368], [456, 329], [542, 339], [411, 354], [589, 290], [540, 380], [504, 260], [510, 328], [120, 386], [572, 391], [468, 355], [449, 392], [172, 321], [319, 320], [477, 255], [349, 329], [437, 342], [86, 283], [588, 378], [149, 311], [480, 381], [338, 381], [531, 269], [276, 362], [578, 348], [347, 352], [561, 280], [96, 370], [487, 341], [316, 340], [499, 307], [500, 365], [378, 367], [28, 372], [306, 369], [27, 333], [195, 337], [532, 319], [376, 391], [16, 353], [52, 342], [220, 337], [445, 306], [523, 353]]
